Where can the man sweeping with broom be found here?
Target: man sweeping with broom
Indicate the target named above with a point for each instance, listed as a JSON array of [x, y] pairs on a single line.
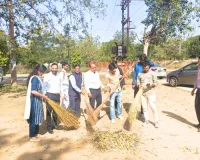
[[113, 79], [53, 89], [93, 86]]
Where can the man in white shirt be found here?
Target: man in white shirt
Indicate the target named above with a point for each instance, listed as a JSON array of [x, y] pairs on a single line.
[[93, 85], [65, 85], [53, 90]]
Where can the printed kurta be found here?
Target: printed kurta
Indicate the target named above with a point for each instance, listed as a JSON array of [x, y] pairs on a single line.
[[37, 113]]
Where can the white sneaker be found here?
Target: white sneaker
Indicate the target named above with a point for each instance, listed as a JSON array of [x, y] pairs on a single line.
[[121, 118], [113, 121]]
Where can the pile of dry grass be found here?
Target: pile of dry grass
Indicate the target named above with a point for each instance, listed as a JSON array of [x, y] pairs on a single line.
[[65, 116], [106, 140]]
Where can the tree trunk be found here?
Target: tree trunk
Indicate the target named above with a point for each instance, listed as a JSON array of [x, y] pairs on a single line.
[[146, 45], [12, 45]]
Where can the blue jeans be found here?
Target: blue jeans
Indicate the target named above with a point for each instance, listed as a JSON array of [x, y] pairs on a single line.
[[116, 95]]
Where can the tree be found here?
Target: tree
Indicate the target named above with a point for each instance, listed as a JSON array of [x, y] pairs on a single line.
[[193, 45], [118, 37], [166, 19], [88, 48], [75, 58], [106, 51], [4, 54], [25, 15]]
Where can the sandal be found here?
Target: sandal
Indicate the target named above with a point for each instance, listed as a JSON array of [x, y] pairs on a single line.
[[40, 136], [34, 139]]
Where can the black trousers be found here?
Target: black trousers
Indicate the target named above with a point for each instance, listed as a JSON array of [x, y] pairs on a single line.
[[136, 89], [74, 104], [197, 104], [96, 96], [51, 114]]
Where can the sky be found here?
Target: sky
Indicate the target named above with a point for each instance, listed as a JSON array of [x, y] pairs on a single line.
[[106, 27]]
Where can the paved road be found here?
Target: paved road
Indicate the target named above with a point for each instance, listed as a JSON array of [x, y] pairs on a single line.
[[6, 80]]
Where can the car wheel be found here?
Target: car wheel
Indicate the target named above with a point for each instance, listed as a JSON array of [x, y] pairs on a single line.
[[161, 77], [173, 81]]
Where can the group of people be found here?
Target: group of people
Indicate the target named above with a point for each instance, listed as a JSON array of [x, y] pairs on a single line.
[[66, 89], [143, 78]]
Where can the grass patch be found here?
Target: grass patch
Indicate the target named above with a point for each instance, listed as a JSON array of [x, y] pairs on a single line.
[[105, 140], [7, 88]]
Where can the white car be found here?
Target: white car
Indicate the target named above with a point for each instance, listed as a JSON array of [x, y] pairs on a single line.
[[160, 71]]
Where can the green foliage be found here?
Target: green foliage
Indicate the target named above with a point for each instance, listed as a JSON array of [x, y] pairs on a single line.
[[46, 14], [75, 58], [193, 45], [47, 48], [166, 19], [106, 51], [4, 54], [172, 49], [3, 58]]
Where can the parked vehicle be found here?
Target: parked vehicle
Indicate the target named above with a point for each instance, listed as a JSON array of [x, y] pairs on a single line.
[[184, 76], [160, 71]]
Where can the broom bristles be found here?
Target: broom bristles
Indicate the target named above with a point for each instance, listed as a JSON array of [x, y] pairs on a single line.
[[65, 116], [92, 115], [133, 110]]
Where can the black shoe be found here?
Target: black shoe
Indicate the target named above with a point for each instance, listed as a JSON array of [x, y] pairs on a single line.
[[198, 129], [51, 131], [197, 125]]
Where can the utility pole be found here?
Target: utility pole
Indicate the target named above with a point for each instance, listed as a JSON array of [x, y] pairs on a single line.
[[125, 4], [121, 50], [128, 23], [123, 23]]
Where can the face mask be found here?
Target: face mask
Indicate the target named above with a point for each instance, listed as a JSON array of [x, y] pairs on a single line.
[[54, 72]]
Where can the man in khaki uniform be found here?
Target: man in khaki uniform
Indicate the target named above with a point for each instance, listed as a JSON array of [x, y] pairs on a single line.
[[148, 81]]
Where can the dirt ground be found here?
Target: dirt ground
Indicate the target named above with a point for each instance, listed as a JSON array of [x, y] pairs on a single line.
[[176, 139]]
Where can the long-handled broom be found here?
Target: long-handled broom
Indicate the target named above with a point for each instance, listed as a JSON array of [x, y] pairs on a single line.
[[65, 116], [133, 110], [92, 115]]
